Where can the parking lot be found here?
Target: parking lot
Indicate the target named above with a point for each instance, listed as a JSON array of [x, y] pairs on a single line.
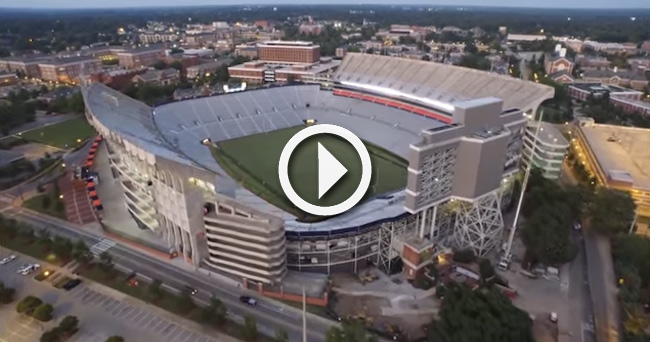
[[102, 312]]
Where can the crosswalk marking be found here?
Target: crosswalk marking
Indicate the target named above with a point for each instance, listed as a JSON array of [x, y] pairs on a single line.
[[101, 247]]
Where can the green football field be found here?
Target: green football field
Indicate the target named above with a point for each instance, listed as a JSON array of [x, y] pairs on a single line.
[[253, 161]]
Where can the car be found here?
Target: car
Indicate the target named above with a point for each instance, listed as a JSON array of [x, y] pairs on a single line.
[[248, 300], [192, 290], [7, 259], [577, 225], [71, 284], [22, 268], [553, 317], [29, 269]]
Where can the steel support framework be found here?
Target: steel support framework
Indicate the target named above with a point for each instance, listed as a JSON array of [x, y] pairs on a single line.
[[479, 223]]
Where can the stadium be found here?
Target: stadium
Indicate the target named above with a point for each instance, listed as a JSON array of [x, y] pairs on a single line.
[[445, 143]]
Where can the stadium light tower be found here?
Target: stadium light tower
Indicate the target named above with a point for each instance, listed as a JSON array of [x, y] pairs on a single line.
[[529, 167]]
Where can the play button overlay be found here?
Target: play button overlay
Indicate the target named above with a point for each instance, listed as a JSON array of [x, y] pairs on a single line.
[[330, 170]]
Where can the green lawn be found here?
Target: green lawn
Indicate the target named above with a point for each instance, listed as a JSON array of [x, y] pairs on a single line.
[[32, 248], [253, 161], [66, 134], [36, 203]]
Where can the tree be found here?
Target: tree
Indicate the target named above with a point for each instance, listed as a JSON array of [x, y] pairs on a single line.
[[26, 234], [249, 330], [546, 235], [484, 315], [45, 238], [486, 270], [53, 335], [62, 247], [281, 335], [155, 288], [176, 65], [69, 325], [43, 312], [115, 339], [185, 303], [464, 255], [160, 65], [611, 211], [28, 304], [81, 252], [106, 261], [6, 294], [215, 313], [350, 331]]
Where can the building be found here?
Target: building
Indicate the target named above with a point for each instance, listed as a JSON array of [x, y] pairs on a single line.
[[246, 50], [141, 56], [27, 66], [462, 144], [157, 37], [635, 79], [285, 51], [547, 151], [612, 48], [562, 77], [69, 70], [557, 63], [645, 47], [631, 106], [619, 158], [311, 29], [202, 69], [263, 71], [582, 91], [8, 78], [158, 77], [525, 37], [592, 62]]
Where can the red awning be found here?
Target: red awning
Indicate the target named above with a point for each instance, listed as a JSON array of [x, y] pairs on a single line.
[[93, 193], [90, 185], [97, 203]]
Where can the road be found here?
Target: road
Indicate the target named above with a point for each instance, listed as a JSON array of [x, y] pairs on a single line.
[[600, 278], [267, 313], [581, 325]]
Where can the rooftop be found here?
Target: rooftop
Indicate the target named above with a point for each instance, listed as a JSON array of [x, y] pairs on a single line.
[[435, 84], [603, 87], [624, 158], [548, 134], [626, 74], [296, 43]]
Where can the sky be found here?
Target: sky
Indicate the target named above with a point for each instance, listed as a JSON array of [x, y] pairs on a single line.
[[159, 3]]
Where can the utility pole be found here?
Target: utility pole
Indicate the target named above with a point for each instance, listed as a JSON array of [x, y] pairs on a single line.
[[304, 315], [523, 187]]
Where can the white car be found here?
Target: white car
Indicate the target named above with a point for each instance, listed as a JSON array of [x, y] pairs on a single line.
[[553, 317], [7, 259], [29, 269]]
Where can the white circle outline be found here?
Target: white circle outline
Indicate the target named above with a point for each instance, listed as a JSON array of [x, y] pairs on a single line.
[[283, 169]]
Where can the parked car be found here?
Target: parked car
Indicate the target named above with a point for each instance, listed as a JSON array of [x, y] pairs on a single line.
[[553, 317], [7, 259], [577, 225], [248, 300], [71, 284], [28, 269]]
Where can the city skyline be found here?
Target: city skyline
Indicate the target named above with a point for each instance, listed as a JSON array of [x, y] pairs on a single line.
[[580, 4]]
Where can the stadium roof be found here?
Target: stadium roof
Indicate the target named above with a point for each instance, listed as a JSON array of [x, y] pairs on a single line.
[[625, 159], [129, 118], [440, 85]]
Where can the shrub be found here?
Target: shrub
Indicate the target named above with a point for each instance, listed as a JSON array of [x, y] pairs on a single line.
[[28, 304], [43, 312], [464, 256], [46, 202]]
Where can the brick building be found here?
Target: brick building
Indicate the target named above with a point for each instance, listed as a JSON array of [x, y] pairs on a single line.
[[142, 56], [289, 51], [69, 70]]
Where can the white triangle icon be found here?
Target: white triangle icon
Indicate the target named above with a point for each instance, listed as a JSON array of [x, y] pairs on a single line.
[[330, 170]]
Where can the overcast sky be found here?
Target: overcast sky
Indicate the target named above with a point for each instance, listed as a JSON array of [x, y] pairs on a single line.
[[158, 3]]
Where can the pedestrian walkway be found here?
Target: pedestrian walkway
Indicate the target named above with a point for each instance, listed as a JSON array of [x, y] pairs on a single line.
[[101, 247], [78, 208]]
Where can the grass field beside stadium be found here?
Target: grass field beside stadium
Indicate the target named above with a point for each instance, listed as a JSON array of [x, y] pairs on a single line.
[[253, 161], [65, 134]]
